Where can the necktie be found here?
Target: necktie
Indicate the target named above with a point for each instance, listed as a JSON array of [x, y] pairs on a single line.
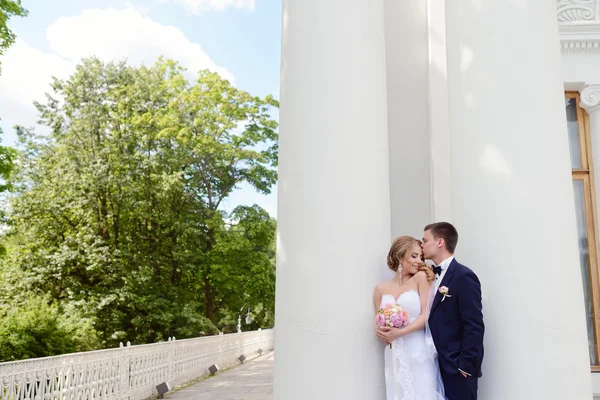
[[437, 269]]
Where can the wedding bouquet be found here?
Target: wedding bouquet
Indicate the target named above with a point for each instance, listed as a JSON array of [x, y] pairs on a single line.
[[393, 316]]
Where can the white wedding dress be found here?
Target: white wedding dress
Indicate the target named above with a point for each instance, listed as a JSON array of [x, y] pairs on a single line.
[[411, 367]]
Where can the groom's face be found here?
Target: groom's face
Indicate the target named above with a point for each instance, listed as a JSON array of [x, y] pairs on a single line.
[[429, 246]]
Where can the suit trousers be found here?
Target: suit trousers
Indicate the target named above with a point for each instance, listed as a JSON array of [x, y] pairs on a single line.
[[458, 387]]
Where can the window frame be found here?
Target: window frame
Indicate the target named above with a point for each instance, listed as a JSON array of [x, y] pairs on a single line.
[[586, 174]]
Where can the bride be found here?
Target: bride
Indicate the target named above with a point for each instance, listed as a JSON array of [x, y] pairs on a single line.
[[411, 367]]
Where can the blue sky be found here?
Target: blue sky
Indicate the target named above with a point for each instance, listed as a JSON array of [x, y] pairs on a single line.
[[240, 39]]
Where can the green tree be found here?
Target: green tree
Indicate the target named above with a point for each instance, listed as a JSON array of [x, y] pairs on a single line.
[[120, 211], [220, 157], [243, 268], [39, 329], [8, 9]]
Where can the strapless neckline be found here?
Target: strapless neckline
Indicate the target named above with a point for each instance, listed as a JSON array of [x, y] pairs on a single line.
[[409, 300], [401, 294]]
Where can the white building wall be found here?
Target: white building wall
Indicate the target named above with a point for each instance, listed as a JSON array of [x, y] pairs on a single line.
[[579, 69], [579, 27], [336, 186], [510, 173]]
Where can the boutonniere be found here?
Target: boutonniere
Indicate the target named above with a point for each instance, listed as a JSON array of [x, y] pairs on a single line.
[[444, 292]]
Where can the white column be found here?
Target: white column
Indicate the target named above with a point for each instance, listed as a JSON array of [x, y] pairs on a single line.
[[512, 197], [333, 200], [439, 126], [407, 58]]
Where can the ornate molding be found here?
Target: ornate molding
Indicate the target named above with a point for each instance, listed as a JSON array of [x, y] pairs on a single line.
[[579, 25], [580, 46], [569, 11], [590, 98]]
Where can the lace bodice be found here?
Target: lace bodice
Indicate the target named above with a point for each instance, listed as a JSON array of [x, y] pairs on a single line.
[[410, 301]]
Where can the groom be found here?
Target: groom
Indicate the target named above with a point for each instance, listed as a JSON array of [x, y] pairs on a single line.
[[455, 319]]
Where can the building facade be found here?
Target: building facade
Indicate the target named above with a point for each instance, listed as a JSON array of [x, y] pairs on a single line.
[[483, 113]]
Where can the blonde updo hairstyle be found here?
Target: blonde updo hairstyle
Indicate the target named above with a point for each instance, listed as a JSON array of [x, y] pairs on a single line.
[[400, 247]]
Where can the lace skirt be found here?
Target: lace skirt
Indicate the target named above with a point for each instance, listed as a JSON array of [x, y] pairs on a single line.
[[411, 369]]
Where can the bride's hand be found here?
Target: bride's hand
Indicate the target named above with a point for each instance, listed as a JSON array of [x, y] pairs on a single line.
[[388, 335], [378, 332]]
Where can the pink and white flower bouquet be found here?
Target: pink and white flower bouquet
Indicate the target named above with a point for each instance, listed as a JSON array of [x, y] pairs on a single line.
[[393, 316]]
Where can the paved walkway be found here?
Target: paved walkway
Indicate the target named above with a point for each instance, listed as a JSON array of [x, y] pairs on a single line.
[[250, 381]]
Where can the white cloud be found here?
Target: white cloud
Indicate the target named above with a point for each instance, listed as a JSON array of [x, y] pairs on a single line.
[[199, 6], [118, 34], [26, 75], [109, 34]]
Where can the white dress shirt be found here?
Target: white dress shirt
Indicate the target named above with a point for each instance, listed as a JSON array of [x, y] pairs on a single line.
[[444, 264]]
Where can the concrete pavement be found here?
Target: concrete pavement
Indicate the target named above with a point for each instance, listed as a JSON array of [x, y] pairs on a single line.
[[252, 380]]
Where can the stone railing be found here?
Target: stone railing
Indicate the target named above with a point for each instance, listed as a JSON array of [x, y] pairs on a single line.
[[129, 372]]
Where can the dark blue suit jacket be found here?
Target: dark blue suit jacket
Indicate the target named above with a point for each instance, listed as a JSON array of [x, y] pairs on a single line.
[[456, 323]]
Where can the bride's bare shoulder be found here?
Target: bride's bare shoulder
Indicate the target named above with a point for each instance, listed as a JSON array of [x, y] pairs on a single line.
[[382, 286], [420, 277]]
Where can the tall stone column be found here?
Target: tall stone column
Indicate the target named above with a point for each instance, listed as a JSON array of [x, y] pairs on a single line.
[[333, 200], [512, 196]]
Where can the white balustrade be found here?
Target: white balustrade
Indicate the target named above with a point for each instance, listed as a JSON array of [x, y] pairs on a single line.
[[126, 373]]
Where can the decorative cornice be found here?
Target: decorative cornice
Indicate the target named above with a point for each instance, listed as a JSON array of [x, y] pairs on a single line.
[[569, 11], [580, 46], [590, 98], [579, 25]]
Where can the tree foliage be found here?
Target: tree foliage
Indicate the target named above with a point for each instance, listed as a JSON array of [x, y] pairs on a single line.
[[8, 9], [120, 211], [37, 328]]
